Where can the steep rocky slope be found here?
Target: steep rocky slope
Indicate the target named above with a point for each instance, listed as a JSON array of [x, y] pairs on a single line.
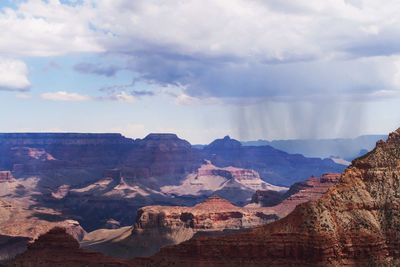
[[356, 223]]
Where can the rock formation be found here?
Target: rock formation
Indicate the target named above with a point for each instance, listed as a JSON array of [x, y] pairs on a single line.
[[95, 177], [356, 223], [235, 184], [57, 248], [157, 226]]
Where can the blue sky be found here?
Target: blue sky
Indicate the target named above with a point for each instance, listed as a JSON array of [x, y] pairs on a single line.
[[202, 69]]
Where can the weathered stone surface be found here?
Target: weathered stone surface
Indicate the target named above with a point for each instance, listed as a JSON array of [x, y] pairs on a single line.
[[356, 223]]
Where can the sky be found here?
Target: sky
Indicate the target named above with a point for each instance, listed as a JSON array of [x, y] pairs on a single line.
[[251, 69]]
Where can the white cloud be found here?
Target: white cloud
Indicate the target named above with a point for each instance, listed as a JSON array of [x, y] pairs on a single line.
[[13, 75], [122, 97], [221, 49], [38, 28], [65, 96]]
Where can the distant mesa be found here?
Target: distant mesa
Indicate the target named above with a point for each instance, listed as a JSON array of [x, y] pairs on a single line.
[[164, 141], [224, 143], [62, 138]]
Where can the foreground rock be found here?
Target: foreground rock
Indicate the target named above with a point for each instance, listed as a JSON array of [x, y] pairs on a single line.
[[356, 223], [58, 248]]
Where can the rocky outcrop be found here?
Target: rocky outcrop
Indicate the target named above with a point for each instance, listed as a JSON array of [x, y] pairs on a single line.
[[356, 223], [58, 248], [6, 176], [158, 226]]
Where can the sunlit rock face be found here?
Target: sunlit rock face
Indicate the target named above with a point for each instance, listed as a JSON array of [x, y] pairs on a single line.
[[356, 223]]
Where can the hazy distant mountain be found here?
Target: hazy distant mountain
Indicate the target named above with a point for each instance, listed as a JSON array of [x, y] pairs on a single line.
[[274, 166], [345, 148]]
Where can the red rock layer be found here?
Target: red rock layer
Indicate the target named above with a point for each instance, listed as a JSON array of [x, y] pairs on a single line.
[[356, 223], [57, 248]]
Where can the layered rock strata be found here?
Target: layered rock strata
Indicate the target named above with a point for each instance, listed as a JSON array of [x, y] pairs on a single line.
[[158, 226], [356, 223]]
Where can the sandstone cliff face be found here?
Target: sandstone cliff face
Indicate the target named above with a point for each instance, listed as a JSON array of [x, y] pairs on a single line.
[[356, 223], [57, 248]]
